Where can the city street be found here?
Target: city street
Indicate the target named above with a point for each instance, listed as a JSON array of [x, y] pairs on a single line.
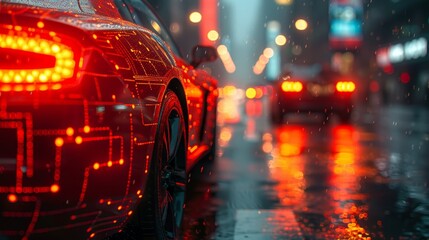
[[214, 120], [311, 179]]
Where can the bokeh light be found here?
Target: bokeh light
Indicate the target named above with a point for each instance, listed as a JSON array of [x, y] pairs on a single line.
[[251, 93], [284, 2], [226, 59], [195, 17], [301, 24], [175, 27], [55, 188], [281, 40], [12, 198], [268, 52], [213, 35]]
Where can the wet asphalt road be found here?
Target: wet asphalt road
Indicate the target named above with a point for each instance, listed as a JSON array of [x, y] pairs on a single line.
[[314, 179]]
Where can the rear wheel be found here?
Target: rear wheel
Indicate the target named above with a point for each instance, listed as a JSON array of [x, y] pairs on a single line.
[[160, 214], [170, 173], [211, 156]]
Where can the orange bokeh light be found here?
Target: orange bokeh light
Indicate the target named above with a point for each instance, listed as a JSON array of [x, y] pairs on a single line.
[[86, 129], [40, 24], [96, 166], [59, 142], [55, 188], [259, 92], [78, 140], [12, 198], [69, 131]]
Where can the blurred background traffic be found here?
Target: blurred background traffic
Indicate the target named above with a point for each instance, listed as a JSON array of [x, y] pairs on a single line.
[[382, 44]]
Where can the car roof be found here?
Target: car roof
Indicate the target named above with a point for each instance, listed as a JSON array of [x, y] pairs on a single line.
[[78, 6], [66, 5], [302, 71]]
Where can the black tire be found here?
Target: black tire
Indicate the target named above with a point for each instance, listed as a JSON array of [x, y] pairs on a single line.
[[211, 156], [160, 214]]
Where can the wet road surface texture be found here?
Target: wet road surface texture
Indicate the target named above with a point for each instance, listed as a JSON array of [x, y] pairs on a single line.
[[314, 179]]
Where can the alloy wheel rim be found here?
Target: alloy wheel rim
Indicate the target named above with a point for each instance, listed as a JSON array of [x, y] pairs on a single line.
[[172, 177]]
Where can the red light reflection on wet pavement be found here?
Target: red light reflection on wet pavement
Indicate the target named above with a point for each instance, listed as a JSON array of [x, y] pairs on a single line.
[[300, 155], [310, 179]]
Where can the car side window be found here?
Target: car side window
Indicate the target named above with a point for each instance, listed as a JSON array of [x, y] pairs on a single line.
[[142, 14]]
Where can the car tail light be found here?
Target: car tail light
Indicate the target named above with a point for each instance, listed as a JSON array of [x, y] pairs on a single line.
[[345, 87], [292, 86], [31, 60]]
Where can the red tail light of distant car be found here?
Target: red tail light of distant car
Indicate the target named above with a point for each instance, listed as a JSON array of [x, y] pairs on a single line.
[[292, 86], [32, 60], [345, 87]]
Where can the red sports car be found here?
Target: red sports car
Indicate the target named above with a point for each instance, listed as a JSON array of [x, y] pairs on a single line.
[[100, 118]]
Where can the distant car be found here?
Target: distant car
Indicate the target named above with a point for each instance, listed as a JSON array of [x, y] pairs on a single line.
[[100, 119], [312, 89]]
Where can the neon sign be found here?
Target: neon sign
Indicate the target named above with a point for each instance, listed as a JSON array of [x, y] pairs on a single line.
[[345, 24], [411, 50]]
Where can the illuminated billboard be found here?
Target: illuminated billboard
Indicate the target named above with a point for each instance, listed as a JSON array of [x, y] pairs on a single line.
[[345, 24]]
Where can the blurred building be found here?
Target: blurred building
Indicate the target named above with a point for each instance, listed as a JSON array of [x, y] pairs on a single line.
[[175, 15], [244, 28], [396, 35]]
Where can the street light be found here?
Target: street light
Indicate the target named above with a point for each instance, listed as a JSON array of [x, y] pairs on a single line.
[[301, 24], [195, 17], [213, 35], [284, 2], [226, 59], [268, 52], [280, 40]]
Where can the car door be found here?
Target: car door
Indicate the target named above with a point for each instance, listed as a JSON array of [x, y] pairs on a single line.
[[193, 79]]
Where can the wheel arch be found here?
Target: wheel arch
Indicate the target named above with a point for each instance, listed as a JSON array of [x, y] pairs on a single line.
[[177, 87], [142, 221]]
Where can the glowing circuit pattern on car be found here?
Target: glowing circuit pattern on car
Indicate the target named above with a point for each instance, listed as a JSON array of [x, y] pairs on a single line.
[[106, 122]]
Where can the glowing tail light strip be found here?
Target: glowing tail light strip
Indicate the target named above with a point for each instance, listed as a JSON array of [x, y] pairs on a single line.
[[30, 79], [291, 86], [345, 87]]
